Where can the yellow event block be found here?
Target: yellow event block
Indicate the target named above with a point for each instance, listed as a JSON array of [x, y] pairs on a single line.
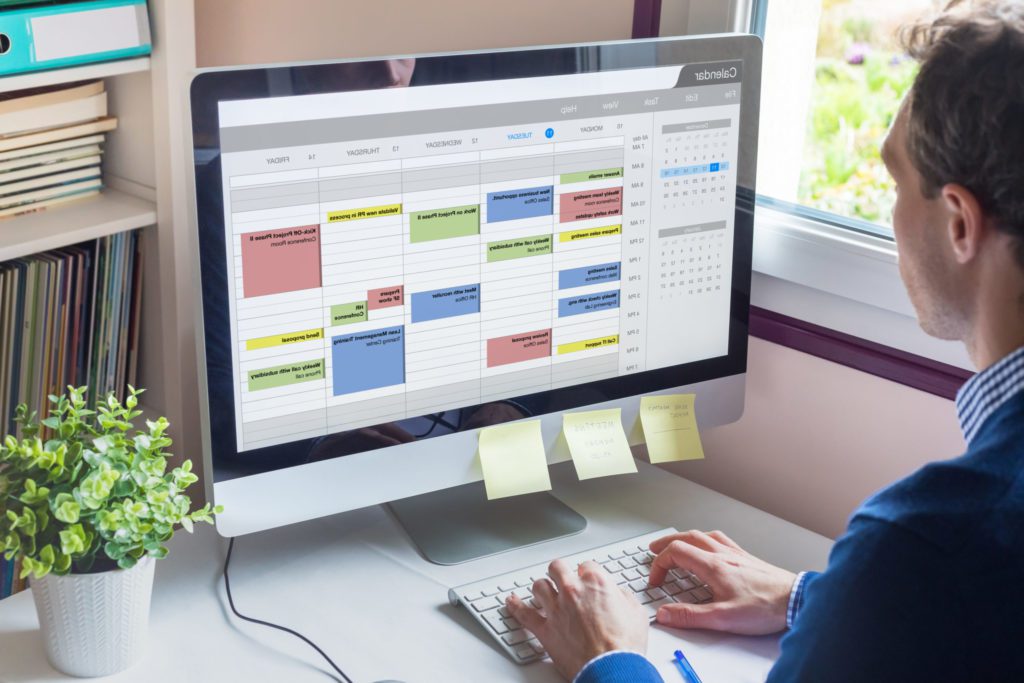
[[586, 344], [364, 212], [670, 428], [587, 233], [598, 443], [513, 459], [279, 339]]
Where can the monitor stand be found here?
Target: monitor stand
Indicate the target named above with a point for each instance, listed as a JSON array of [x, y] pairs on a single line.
[[459, 524]]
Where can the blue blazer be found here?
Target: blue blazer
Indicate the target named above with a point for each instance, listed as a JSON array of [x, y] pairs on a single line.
[[927, 584]]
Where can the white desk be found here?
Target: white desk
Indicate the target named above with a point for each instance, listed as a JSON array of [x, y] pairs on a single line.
[[355, 585]]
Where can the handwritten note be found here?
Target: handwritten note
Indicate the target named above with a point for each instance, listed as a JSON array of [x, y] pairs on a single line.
[[513, 460], [598, 443], [670, 428]]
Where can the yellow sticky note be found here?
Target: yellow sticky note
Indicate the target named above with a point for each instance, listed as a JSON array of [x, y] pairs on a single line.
[[598, 443], [670, 428], [513, 459]]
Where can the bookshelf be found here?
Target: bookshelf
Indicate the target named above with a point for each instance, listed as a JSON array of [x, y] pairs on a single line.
[[77, 73]]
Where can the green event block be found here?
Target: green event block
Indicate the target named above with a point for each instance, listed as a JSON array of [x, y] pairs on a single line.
[[282, 375], [343, 314], [521, 247], [442, 224], [583, 176]]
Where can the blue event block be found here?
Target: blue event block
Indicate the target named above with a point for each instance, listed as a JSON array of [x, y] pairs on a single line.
[[524, 202], [445, 303], [588, 275], [588, 303], [368, 360]]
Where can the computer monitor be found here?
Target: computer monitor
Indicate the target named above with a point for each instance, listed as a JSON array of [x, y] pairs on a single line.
[[396, 252]]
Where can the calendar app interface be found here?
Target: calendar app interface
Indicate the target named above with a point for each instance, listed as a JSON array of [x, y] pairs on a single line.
[[397, 253]]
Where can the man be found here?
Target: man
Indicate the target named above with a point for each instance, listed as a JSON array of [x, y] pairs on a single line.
[[927, 584]]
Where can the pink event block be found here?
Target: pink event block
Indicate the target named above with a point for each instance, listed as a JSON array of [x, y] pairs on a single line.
[[516, 348], [579, 206], [284, 260], [385, 297]]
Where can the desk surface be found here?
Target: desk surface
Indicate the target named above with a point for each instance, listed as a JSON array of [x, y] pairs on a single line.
[[355, 585]]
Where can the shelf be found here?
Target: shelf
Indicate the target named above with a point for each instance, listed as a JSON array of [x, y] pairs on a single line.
[[73, 222], [74, 73]]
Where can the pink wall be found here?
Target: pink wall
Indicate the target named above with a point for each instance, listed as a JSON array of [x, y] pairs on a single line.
[[262, 31], [817, 438]]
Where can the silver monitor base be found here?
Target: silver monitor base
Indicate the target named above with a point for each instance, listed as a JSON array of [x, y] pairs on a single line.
[[459, 524]]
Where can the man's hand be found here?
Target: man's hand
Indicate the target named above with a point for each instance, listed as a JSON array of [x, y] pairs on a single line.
[[751, 596], [582, 614]]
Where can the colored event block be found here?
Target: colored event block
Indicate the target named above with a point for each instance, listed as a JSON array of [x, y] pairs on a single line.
[[588, 344], [589, 233], [445, 303], [346, 314], [283, 375], [368, 360], [588, 303], [441, 224], [584, 176], [516, 348], [528, 202], [521, 247], [588, 275], [386, 297], [581, 206], [276, 261], [279, 339], [365, 212]]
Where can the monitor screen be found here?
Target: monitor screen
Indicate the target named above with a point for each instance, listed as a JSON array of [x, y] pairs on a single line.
[[397, 249]]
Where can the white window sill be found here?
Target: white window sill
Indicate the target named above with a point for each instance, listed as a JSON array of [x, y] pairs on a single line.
[[839, 279]]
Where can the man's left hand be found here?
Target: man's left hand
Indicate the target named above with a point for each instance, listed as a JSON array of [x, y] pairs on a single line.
[[582, 614]]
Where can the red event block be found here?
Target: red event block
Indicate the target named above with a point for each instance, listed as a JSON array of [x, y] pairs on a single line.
[[385, 297], [516, 348], [579, 206], [284, 260]]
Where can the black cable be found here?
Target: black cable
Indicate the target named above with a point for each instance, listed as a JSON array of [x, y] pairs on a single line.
[[231, 601]]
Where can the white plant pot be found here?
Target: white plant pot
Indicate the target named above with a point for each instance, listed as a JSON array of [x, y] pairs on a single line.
[[95, 624]]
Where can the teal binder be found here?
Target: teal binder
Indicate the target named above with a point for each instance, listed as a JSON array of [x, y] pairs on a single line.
[[70, 34]]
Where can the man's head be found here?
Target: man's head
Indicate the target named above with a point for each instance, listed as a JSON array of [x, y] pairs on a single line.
[[956, 152]]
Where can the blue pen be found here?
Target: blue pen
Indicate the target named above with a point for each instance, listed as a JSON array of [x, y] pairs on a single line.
[[684, 666]]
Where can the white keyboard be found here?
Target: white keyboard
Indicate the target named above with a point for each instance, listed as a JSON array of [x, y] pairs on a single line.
[[629, 561]]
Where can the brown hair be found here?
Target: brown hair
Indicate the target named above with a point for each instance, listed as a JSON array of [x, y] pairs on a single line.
[[966, 122]]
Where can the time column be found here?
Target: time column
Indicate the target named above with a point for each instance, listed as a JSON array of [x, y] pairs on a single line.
[[636, 226]]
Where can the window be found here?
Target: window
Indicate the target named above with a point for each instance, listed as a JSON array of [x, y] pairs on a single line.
[[843, 75]]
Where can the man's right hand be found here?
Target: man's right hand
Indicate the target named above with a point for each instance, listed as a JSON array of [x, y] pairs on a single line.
[[751, 596]]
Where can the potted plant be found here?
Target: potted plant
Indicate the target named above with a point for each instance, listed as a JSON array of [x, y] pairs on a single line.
[[88, 510]]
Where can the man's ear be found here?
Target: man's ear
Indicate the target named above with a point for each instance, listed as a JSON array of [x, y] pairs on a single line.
[[966, 225]]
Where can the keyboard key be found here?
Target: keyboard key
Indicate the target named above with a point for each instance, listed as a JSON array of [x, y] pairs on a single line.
[[523, 593], [657, 593], [537, 647], [472, 595], [643, 569], [627, 563], [495, 621], [503, 597], [688, 584], [686, 596], [523, 582], [524, 651], [652, 607], [613, 567], [615, 555], [671, 588], [490, 591], [643, 597], [638, 586], [634, 550], [516, 637], [631, 574], [702, 594], [484, 604], [511, 624], [645, 559], [503, 611], [506, 586]]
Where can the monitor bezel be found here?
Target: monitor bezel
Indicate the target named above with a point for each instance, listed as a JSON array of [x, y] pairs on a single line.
[[206, 90]]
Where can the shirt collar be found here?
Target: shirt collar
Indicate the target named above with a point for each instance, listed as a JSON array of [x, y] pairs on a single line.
[[987, 391]]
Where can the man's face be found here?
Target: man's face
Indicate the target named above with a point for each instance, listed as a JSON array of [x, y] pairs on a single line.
[[926, 261]]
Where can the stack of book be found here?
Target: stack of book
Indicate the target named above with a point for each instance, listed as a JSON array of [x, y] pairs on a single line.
[[67, 317], [50, 145]]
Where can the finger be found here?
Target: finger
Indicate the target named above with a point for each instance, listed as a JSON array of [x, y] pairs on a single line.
[[544, 594], [531, 619], [679, 615], [725, 540], [680, 555], [693, 537], [562, 576], [590, 572]]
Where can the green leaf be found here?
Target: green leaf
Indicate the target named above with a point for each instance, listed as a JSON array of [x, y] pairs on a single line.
[[126, 562]]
